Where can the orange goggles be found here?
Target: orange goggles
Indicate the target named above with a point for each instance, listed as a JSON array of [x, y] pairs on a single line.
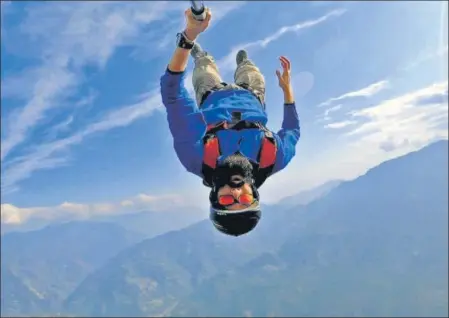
[[245, 199]]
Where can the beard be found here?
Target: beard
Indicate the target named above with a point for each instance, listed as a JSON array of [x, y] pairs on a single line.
[[236, 164]]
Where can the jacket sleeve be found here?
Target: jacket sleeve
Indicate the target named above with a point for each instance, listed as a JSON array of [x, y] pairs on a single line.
[[287, 138], [185, 121]]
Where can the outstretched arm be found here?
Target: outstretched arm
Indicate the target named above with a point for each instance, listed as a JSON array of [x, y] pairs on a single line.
[[186, 122], [288, 136], [178, 63]]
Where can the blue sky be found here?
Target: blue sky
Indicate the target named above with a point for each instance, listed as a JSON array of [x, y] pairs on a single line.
[[84, 131]]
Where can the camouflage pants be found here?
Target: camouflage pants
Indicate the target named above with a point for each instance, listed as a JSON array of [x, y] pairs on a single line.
[[206, 78]]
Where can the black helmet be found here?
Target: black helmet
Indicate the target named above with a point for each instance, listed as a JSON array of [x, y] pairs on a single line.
[[235, 222]]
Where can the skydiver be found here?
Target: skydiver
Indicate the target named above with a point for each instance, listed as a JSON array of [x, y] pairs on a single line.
[[222, 137]]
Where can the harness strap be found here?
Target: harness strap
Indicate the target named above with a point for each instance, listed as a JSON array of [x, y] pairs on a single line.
[[266, 156], [211, 152], [268, 152], [243, 124]]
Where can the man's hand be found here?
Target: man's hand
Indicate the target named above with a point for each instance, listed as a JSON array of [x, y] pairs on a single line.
[[285, 80], [178, 62], [194, 27]]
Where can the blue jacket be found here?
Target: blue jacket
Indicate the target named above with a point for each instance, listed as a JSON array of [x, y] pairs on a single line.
[[188, 124]]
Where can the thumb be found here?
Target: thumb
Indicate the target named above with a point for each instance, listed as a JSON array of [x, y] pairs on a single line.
[[278, 73], [208, 15]]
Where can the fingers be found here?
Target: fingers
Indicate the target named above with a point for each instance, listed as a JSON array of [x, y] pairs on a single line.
[[285, 63], [286, 60], [189, 15]]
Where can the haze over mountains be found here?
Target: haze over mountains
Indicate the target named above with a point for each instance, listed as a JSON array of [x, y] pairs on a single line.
[[376, 245], [148, 223], [310, 195]]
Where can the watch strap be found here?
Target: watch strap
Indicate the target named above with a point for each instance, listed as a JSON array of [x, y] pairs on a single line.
[[183, 42]]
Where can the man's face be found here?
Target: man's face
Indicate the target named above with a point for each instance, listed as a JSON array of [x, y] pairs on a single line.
[[236, 193]]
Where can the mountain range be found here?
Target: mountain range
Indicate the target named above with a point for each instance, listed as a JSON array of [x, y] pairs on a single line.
[[373, 246], [307, 196]]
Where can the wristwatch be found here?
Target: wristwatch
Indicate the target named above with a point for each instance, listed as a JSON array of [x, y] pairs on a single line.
[[183, 42]]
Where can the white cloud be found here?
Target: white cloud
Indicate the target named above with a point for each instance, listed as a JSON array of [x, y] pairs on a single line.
[[332, 109], [11, 214], [127, 203], [61, 127], [47, 91], [87, 100], [364, 92], [402, 123], [390, 144], [66, 37], [392, 128], [405, 117], [227, 63], [49, 156], [341, 124]]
